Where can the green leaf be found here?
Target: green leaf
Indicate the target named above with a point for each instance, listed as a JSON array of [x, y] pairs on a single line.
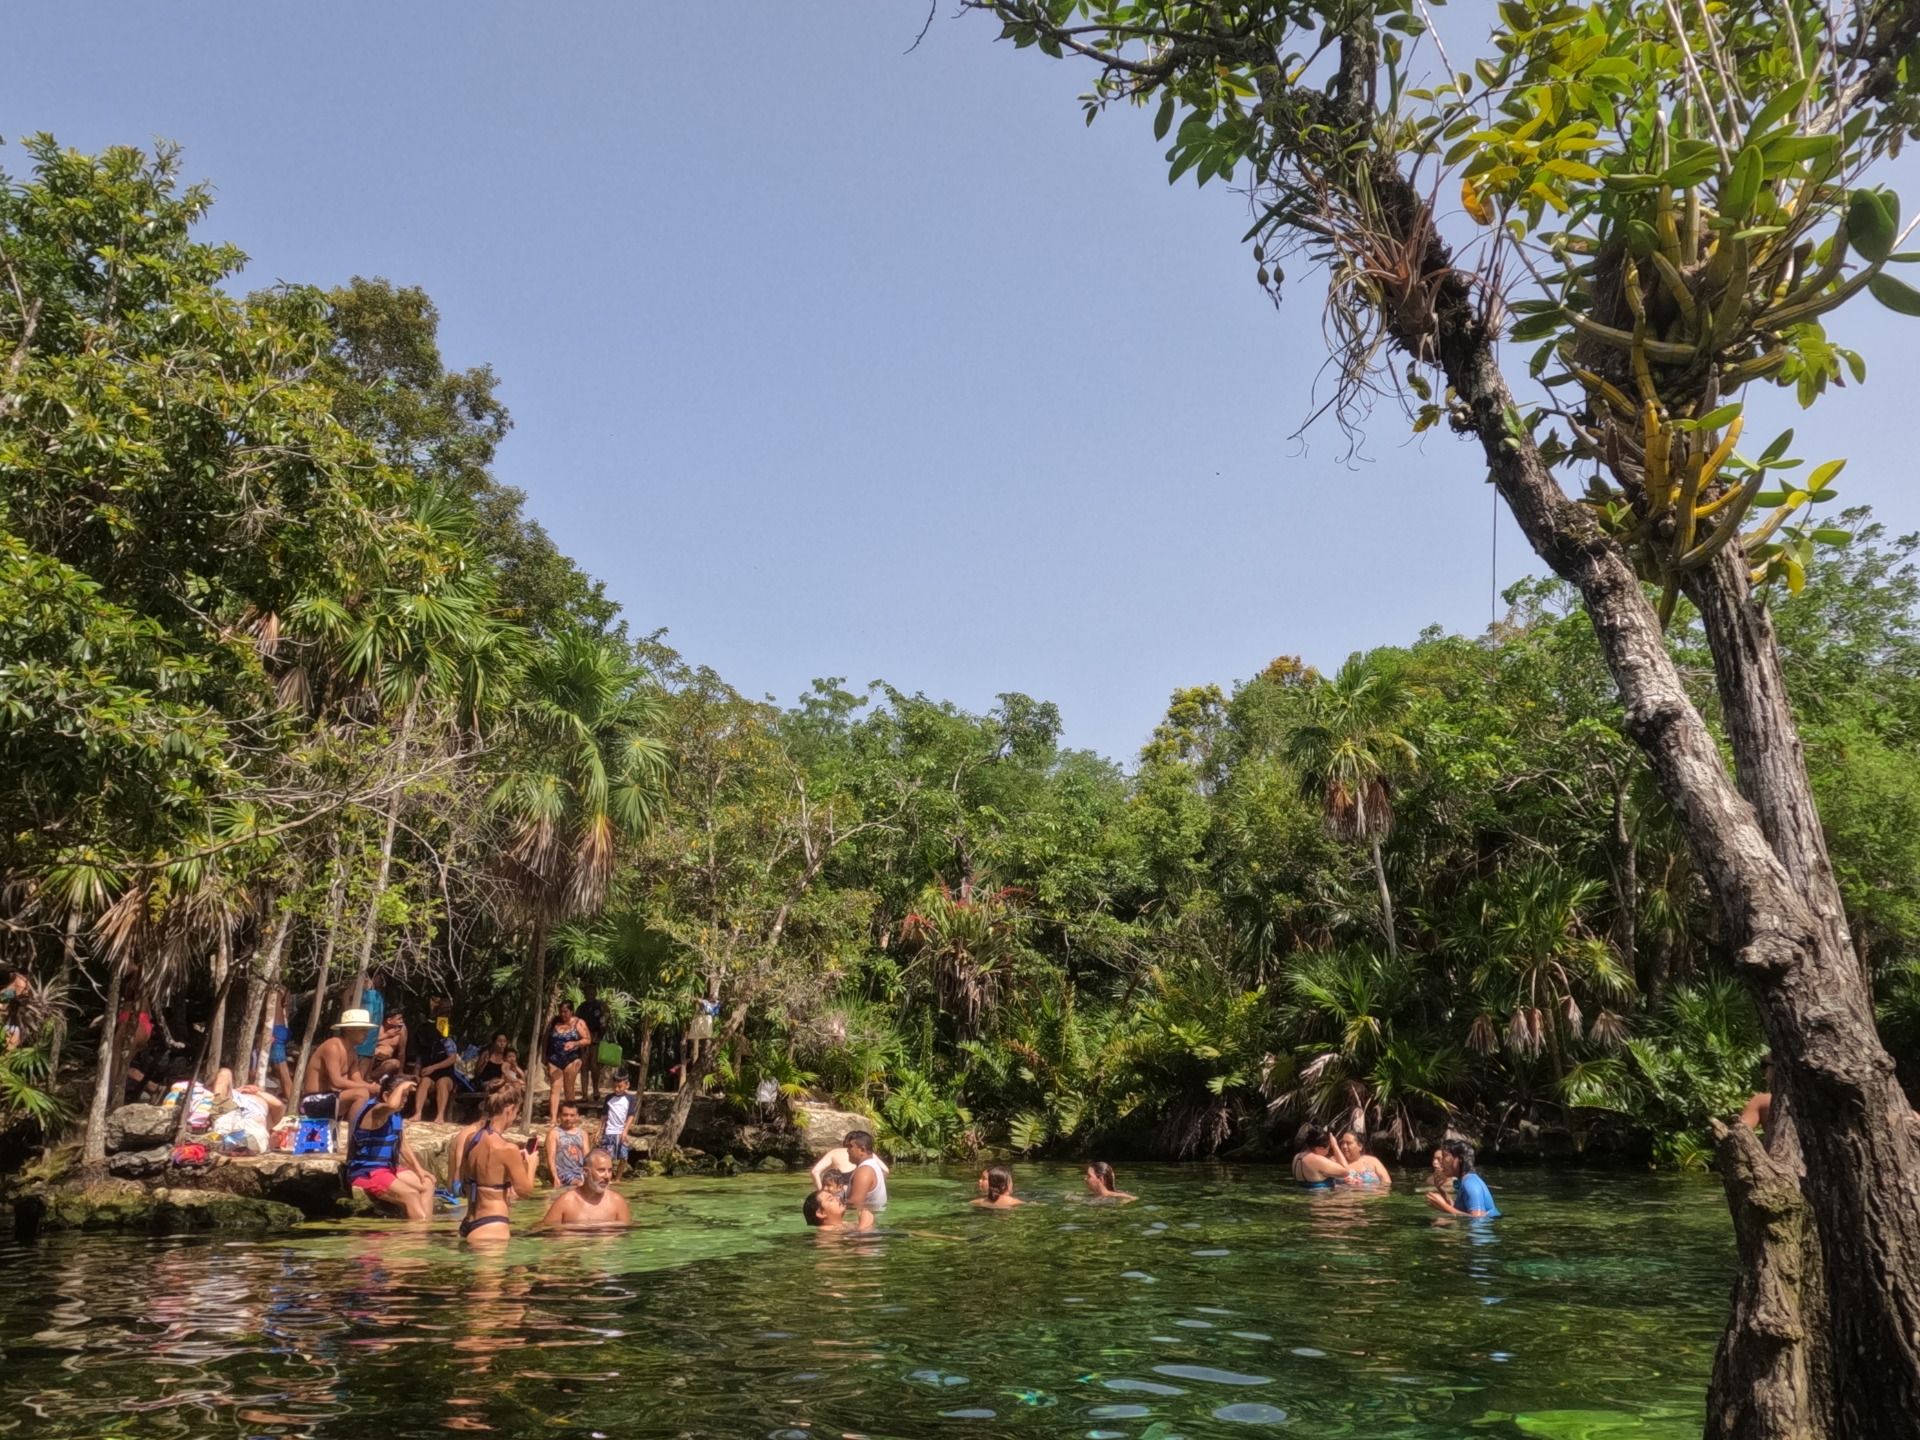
[[1829, 536], [1163, 118], [1743, 185], [1873, 222], [1895, 294], [1778, 108], [1822, 474], [1778, 447]]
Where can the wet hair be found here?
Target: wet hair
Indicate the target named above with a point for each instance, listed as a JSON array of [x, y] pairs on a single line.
[[573, 1105], [999, 1182], [810, 1209], [601, 1150], [504, 1095], [861, 1138], [1461, 1151], [1314, 1137], [1103, 1172]]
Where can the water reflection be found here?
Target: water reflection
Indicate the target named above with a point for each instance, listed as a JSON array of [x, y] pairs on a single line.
[[1219, 1304]]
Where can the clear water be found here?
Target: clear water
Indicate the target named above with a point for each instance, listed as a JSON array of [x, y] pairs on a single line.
[[1224, 1302]]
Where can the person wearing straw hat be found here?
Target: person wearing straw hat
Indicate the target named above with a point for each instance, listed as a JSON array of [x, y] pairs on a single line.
[[329, 1090]]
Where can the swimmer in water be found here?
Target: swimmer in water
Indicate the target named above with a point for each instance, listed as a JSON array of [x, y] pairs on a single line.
[[996, 1190], [1471, 1197], [1365, 1169], [1318, 1165], [1101, 1185], [825, 1210], [493, 1170], [590, 1205]]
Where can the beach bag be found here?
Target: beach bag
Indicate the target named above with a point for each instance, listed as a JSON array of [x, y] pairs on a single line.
[[610, 1053]]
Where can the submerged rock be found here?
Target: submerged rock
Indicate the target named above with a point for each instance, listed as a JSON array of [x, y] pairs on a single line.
[[155, 1211]]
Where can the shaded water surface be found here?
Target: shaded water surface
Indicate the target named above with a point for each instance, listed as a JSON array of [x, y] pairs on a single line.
[[1223, 1303]]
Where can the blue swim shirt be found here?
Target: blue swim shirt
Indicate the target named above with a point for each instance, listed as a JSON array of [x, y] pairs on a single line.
[[1470, 1193]]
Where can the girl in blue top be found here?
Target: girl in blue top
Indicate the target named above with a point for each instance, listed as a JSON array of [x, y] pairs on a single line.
[[1471, 1197]]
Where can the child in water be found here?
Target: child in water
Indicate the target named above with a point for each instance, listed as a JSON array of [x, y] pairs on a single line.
[[1471, 1197], [996, 1189]]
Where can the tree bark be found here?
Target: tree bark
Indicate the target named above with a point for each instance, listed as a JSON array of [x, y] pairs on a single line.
[[336, 905], [371, 929], [223, 973], [536, 1055], [646, 1065], [1765, 1378], [69, 962], [93, 1142], [1779, 907], [260, 986], [1386, 900], [691, 1078]]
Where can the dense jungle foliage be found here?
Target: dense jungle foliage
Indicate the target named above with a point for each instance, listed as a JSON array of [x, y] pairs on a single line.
[[294, 691]]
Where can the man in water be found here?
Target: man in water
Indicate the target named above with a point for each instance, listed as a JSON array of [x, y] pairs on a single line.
[[868, 1188], [825, 1210], [329, 1090], [590, 1205], [1471, 1197], [833, 1170]]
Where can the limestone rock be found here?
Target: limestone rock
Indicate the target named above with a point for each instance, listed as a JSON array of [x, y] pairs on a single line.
[[139, 1127], [162, 1211], [822, 1127], [139, 1164]]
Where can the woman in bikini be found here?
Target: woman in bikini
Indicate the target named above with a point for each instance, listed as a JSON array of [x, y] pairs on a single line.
[[494, 1170]]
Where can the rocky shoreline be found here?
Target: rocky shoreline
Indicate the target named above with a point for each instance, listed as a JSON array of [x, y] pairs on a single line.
[[146, 1193]]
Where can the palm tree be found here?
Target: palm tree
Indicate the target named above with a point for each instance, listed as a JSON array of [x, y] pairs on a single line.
[[582, 768], [1349, 751], [969, 940]]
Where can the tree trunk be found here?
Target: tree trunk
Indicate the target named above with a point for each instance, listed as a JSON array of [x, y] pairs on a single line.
[[535, 1054], [261, 984], [223, 973], [1765, 1379], [69, 962], [691, 1076], [1625, 873], [646, 1065], [1778, 905], [1386, 900], [336, 906], [93, 1143], [370, 931]]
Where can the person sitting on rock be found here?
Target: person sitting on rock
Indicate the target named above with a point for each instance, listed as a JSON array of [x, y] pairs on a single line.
[[380, 1162], [243, 1115], [591, 1205], [329, 1090]]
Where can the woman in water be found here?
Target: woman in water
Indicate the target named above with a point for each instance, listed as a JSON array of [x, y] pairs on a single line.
[[494, 1171], [1364, 1168], [1471, 1197], [1100, 1182], [1318, 1165], [567, 1041], [996, 1190]]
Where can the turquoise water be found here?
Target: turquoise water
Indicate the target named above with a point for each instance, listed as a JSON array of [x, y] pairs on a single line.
[[1224, 1302]]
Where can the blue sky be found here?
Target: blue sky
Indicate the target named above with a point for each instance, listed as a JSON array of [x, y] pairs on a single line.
[[835, 360]]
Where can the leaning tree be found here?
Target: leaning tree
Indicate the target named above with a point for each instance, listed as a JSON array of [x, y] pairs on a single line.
[[1580, 253]]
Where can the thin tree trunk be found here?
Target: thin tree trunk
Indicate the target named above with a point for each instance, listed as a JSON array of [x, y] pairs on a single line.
[[691, 1077], [209, 1050], [1386, 900], [69, 962], [260, 987], [223, 974], [646, 1065], [93, 1143], [370, 930], [336, 906], [536, 1055], [1625, 872]]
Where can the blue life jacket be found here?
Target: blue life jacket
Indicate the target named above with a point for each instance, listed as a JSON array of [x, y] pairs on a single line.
[[371, 1150]]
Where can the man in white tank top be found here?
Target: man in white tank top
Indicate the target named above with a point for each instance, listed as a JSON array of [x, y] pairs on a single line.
[[868, 1190]]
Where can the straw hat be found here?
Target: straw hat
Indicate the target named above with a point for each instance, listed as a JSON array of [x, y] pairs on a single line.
[[354, 1020]]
